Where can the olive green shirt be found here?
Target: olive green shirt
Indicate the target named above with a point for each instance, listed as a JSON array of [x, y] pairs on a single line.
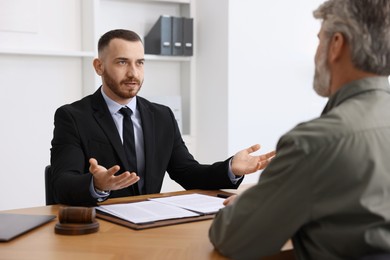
[[328, 188]]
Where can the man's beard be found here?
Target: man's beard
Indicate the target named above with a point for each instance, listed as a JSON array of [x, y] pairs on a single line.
[[116, 87], [321, 82]]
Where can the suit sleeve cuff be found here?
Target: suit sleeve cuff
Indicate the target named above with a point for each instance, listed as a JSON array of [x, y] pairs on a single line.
[[97, 194], [233, 178]]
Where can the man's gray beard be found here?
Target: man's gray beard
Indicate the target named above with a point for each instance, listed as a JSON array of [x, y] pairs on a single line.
[[321, 82]]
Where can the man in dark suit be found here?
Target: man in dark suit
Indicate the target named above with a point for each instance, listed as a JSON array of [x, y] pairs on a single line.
[[88, 159]]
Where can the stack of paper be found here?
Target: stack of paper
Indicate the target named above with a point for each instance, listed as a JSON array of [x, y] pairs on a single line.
[[181, 206]]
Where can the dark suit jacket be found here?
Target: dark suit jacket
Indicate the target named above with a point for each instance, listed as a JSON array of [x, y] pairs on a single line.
[[85, 129]]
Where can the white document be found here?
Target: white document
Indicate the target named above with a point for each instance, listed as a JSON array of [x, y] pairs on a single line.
[[155, 209], [200, 203], [145, 211]]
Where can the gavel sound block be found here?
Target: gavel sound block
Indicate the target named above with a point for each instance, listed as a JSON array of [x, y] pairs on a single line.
[[76, 221]]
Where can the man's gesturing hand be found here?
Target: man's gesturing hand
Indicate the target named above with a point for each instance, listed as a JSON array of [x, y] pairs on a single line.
[[104, 179], [243, 162]]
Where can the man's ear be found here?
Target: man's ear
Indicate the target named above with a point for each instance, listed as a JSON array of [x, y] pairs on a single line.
[[337, 47], [98, 65]]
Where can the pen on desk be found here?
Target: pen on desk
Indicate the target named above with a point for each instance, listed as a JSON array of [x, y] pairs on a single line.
[[224, 196]]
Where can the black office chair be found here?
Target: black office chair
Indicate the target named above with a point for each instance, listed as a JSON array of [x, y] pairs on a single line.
[[385, 256], [48, 190]]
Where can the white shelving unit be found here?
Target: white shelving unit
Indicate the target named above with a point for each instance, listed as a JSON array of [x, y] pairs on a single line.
[[164, 75]]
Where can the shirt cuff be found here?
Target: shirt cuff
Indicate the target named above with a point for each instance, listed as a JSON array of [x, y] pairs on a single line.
[[97, 194], [233, 178]]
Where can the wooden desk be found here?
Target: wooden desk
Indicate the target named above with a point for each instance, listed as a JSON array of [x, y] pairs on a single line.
[[182, 241]]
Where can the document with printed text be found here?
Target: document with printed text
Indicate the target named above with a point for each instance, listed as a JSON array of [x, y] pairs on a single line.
[[199, 203], [180, 206]]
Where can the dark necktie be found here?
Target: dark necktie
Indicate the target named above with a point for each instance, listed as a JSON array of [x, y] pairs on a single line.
[[128, 141]]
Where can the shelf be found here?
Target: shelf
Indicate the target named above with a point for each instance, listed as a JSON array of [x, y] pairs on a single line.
[[71, 54], [82, 54], [173, 1], [167, 58], [164, 1]]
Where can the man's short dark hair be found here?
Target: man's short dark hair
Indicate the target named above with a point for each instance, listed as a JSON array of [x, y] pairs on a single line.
[[117, 34]]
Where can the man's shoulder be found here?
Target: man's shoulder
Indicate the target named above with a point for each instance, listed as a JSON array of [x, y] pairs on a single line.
[[316, 126], [83, 104], [318, 132]]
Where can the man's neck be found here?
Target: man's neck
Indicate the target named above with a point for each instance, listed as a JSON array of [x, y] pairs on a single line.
[[347, 75]]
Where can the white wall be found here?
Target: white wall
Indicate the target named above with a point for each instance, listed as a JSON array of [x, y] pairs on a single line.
[[212, 66], [272, 72], [256, 61], [32, 87]]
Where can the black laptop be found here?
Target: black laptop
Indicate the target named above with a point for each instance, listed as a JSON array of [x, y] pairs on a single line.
[[13, 225]]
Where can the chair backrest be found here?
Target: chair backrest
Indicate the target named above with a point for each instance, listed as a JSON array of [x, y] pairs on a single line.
[[48, 189], [385, 256]]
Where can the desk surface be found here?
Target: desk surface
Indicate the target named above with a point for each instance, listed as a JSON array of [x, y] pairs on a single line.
[[112, 241]]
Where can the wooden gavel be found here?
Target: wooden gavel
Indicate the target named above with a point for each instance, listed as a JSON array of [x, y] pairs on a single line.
[[76, 221]]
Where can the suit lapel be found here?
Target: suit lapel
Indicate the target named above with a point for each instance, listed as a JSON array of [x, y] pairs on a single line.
[[148, 127], [104, 119]]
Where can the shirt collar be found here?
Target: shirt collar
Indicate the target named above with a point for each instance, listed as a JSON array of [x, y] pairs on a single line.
[[114, 106], [357, 87]]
